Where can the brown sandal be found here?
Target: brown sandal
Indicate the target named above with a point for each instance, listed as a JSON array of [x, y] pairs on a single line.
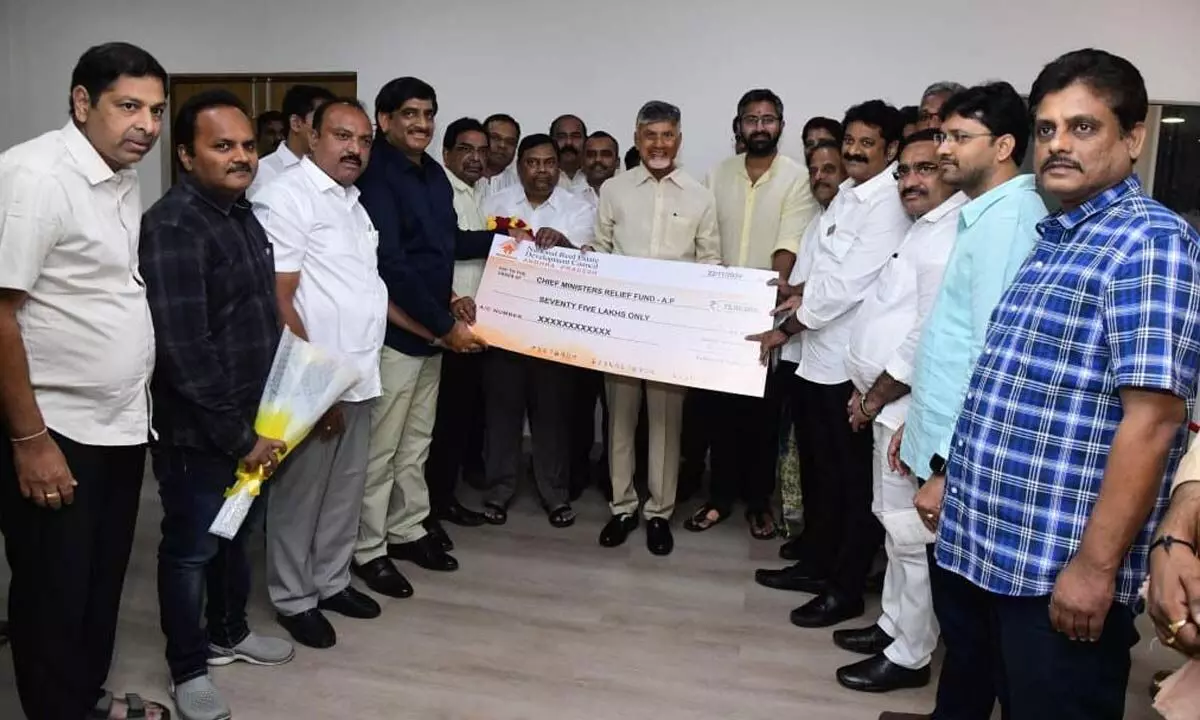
[[762, 525]]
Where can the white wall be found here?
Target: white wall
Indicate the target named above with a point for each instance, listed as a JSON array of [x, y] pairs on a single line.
[[601, 60]]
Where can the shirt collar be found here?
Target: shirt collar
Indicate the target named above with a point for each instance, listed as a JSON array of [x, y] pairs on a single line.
[[325, 184], [948, 206], [225, 207], [94, 168], [975, 209], [285, 154], [552, 202], [641, 175], [394, 155], [881, 182], [1130, 186], [459, 185], [745, 174]]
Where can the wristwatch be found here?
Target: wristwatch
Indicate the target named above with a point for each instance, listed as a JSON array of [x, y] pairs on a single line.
[[937, 464]]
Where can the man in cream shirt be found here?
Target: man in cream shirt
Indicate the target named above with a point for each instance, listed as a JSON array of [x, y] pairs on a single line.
[[328, 292], [763, 205], [655, 210]]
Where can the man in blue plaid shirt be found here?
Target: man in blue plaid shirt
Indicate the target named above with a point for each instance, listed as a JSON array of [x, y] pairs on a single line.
[[1077, 408]]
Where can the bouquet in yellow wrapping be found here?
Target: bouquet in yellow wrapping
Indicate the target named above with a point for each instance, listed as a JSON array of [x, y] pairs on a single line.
[[305, 381]]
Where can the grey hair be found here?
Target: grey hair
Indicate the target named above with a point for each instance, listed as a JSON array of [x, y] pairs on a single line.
[[659, 111], [941, 88]]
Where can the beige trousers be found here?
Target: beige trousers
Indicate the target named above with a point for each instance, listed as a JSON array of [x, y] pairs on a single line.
[[664, 410], [396, 499]]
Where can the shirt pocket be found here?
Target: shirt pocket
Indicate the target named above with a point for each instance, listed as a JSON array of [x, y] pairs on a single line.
[[681, 234]]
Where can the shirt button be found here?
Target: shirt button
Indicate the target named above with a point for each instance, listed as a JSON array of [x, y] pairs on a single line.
[[953, 491], [987, 351], [1037, 265], [970, 395], [961, 443]]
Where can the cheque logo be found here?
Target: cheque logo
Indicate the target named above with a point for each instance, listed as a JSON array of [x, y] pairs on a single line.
[[508, 248], [727, 306]]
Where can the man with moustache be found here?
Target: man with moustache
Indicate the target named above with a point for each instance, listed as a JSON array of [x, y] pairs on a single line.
[[880, 358], [821, 128], [211, 289], [859, 233], [76, 354], [601, 155], [457, 443], [763, 205], [329, 293], [499, 172], [515, 384], [411, 205], [983, 138], [636, 210], [299, 104], [570, 133], [929, 111], [271, 130]]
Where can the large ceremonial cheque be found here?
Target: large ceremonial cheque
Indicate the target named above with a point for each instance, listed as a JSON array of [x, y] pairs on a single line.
[[671, 322]]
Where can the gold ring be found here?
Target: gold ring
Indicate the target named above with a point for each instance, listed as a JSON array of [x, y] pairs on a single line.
[[52, 493], [1174, 629]]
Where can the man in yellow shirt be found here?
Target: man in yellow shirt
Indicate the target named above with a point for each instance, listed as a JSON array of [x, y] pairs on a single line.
[[655, 210]]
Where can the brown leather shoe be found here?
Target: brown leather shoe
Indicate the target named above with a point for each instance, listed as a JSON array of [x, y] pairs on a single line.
[[888, 715]]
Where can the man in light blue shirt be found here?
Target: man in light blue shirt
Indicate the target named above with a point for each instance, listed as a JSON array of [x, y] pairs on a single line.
[[983, 138]]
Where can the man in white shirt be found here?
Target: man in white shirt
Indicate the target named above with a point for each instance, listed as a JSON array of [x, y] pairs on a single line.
[[457, 443], [880, 359], [499, 172], [329, 293], [569, 134], [76, 356], [763, 205], [856, 237], [299, 104], [516, 384], [659, 211]]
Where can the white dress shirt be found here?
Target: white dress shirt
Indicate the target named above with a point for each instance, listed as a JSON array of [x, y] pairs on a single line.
[[562, 211], [467, 273], [272, 166], [800, 272], [69, 240], [502, 181], [575, 184], [319, 229], [888, 326], [864, 225]]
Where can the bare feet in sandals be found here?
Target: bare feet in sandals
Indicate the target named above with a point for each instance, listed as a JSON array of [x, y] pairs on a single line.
[[130, 707], [762, 524], [706, 517]]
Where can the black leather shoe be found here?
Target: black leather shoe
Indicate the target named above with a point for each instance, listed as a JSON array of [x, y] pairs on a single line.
[[426, 552], [864, 641], [309, 628], [382, 576], [461, 516], [791, 550], [658, 537], [616, 532], [434, 528], [351, 603], [828, 608], [878, 675], [796, 578]]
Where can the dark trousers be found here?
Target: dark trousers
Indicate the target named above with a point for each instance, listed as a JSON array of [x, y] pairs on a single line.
[[457, 443], [745, 447], [695, 439], [515, 385], [588, 390], [193, 563], [68, 568], [1037, 672], [841, 534]]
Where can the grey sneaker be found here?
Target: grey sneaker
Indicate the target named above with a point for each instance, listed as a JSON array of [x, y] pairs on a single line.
[[255, 649], [199, 699]]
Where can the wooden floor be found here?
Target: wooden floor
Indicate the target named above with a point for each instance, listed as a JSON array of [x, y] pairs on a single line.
[[544, 624]]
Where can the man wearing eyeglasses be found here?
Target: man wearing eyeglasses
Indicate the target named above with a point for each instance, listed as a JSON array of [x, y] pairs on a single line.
[[763, 205], [880, 358], [980, 146], [929, 112]]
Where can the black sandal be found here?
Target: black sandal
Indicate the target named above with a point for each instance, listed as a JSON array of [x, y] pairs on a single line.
[[135, 708], [699, 521], [562, 516], [759, 523], [495, 513]]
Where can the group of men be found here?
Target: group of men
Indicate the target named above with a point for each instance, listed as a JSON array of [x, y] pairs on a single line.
[[1031, 374]]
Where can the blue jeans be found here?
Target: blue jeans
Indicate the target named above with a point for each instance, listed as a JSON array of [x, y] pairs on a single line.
[[193, 563]]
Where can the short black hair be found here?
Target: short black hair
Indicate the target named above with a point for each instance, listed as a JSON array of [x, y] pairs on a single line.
[[879, 115], [1112, 76], [909, 115], [823, 143], [568, 116], [633, 158], [760, 95], [999, 108], [266, 117], [926, 135], [503, 117], [299, 100], [183, 131], [458, 127], [601, 135], [100, 66], [529, 142], [833, 127], [396, 92], [319, 115]]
